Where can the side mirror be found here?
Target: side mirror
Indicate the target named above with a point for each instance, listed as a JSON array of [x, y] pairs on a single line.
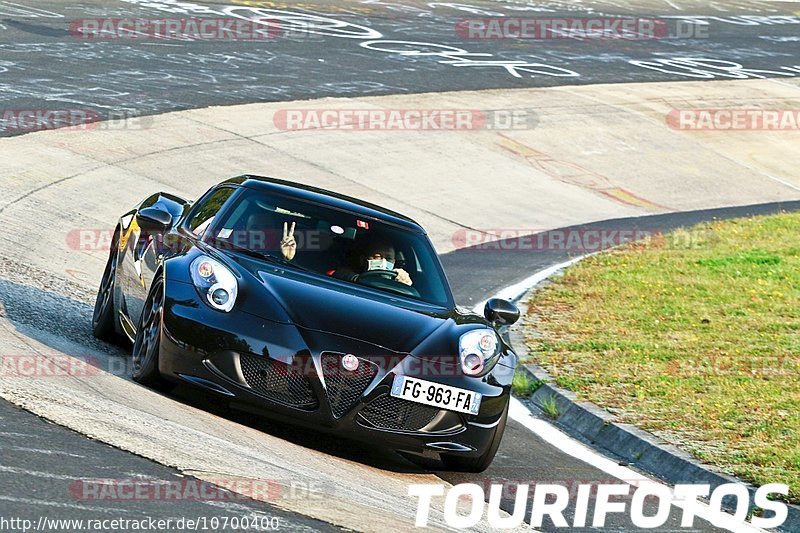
[[501, 312], [153, 219]]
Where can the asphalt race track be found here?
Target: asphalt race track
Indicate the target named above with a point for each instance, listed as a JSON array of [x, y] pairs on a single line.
[[352, 48], [44, 66], [41, 462]]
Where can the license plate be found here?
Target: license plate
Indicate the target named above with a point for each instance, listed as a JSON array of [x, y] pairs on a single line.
[[436, 395]]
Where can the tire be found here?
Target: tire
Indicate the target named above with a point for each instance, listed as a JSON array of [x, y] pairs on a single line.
[[103, 326], [478, 464], [147, 344]]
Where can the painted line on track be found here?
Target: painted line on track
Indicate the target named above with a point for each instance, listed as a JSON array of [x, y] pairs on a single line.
[[563, 442], [516, 291]]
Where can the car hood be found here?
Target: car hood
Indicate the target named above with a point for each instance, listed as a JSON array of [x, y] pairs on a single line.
[[326, 306]]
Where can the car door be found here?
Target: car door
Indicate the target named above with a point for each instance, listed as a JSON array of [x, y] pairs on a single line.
[[129, 271]]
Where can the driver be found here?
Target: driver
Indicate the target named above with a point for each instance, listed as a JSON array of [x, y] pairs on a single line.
[[378, 254]]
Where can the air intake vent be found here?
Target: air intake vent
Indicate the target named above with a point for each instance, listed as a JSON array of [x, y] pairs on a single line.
[[345, 387], [387, 412], [279, 382]]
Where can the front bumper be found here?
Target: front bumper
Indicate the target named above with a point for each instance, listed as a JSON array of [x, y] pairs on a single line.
[[295, 374]]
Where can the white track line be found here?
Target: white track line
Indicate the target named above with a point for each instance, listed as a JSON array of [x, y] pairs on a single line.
[[563, 442], [516, 291]]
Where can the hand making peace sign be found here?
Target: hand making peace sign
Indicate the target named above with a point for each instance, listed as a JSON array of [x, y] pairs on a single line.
[[288, 244]]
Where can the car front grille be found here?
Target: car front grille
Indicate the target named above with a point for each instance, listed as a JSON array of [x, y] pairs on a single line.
[[278, 381], [387, 412], [345, 387]]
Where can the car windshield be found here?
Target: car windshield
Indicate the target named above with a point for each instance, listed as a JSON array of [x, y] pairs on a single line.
[[333, 243]]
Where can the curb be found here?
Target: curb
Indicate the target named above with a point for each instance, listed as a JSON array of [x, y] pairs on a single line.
[[633, 446]]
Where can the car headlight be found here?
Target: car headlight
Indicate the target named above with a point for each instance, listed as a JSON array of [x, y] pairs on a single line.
[[478, 351], [215, 283]]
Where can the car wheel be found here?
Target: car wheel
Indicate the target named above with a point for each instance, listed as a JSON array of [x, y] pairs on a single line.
[[482, 462], [103, 315], [147, 344]]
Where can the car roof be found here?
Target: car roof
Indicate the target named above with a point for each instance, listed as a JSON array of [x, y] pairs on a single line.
[[325, 197]]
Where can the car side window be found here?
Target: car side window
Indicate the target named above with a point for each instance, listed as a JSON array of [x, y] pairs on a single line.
[[150, 202], [205, 211]]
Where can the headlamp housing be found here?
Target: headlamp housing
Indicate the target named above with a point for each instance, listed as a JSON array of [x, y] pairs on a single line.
[[215, 283], [478, 351]]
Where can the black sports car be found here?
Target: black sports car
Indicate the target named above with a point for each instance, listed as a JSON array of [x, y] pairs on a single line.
[[298, 303]]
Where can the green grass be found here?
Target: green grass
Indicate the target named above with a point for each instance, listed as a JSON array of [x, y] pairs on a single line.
[[550, 407], [523, 385], [694, 336]]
